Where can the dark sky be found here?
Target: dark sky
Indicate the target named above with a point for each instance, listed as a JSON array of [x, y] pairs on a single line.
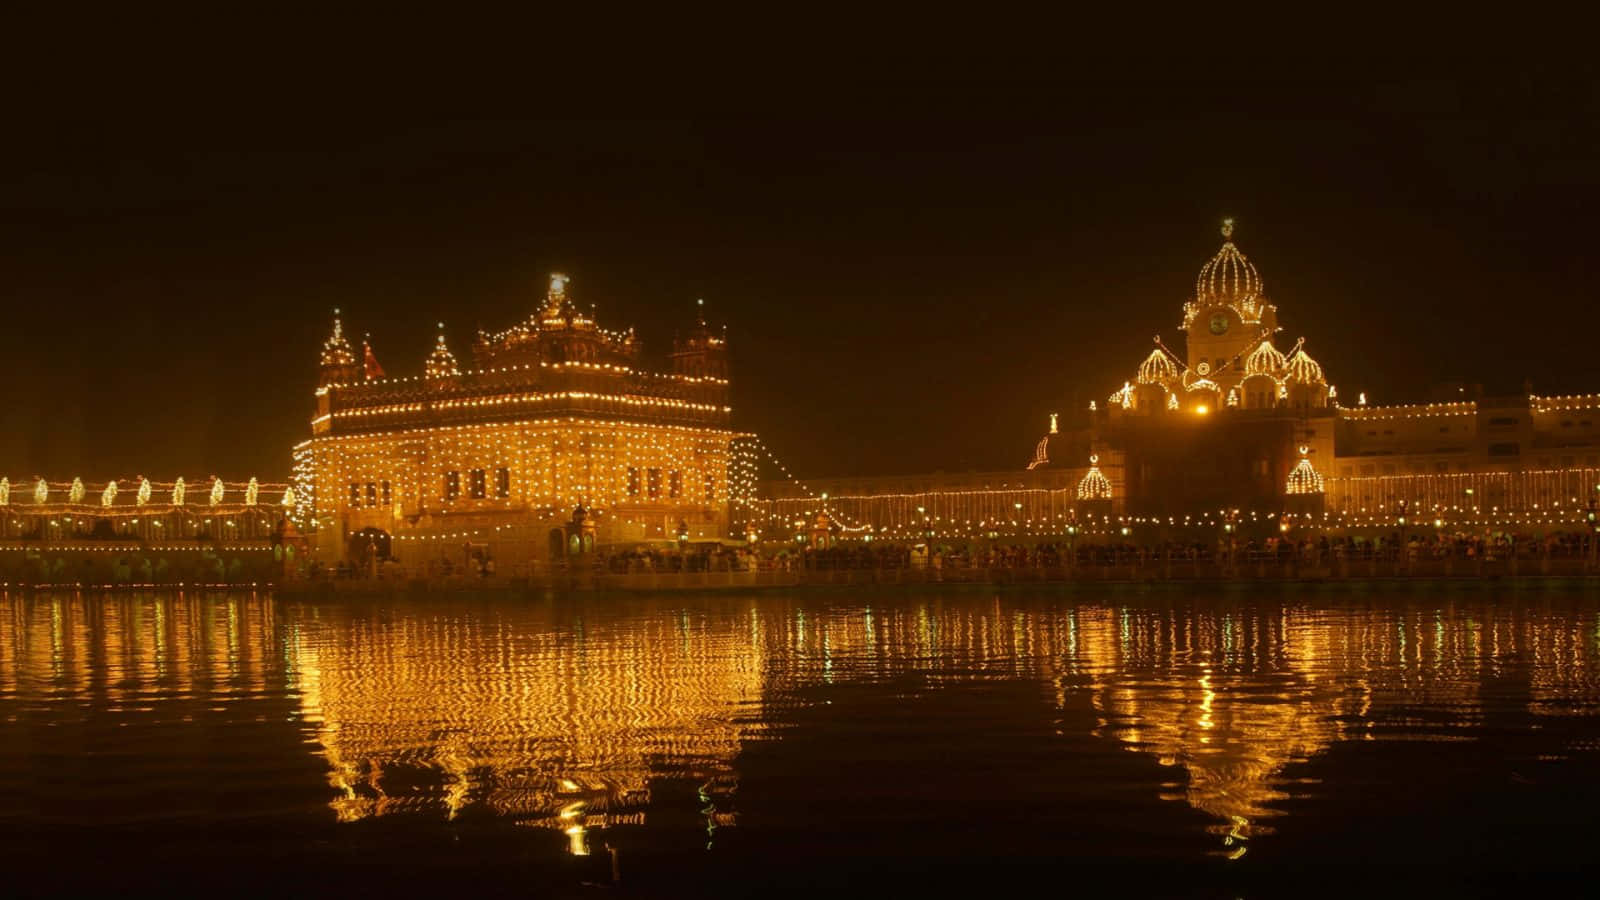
[[913, 272]]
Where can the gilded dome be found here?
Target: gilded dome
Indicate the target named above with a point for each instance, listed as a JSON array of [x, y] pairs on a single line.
[[1157, 368], [1304, 370], [1227, 277], [1265, 360]]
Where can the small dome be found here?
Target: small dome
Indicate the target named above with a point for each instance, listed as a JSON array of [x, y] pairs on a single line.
[[1157, 368], [1265, 360], [1227, 277], [1304, 370], [1095, 485]]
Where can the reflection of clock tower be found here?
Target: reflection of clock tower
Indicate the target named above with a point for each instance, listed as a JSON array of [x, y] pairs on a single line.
[[1229, 315]]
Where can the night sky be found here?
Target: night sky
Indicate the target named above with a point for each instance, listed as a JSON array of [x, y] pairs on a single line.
[[913, 276]]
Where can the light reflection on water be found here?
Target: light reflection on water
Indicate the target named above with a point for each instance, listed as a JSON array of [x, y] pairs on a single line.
[[568, 715]]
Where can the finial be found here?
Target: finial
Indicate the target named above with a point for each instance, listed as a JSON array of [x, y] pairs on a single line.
[[1227, 229], [1053, 424], [558, 283], [1304, 449], [1094, 459]]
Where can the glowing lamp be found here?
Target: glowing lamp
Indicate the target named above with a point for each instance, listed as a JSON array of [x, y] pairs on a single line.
[[1201, 410]]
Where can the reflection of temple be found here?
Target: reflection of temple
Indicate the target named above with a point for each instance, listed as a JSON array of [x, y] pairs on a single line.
[[1238, 418], [552, 413], [561, 717], [553, 723]]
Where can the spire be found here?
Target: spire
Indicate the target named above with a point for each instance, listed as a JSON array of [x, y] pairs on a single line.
[[369, 360], [441, 362], [1227, 229], [336, 350]]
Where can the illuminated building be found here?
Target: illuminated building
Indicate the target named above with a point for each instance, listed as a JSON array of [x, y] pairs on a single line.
[[1238, 419], [122, 513], [553, 413]]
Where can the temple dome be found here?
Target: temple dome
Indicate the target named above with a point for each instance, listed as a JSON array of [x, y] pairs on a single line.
[[1228, 277], [1304, 370]]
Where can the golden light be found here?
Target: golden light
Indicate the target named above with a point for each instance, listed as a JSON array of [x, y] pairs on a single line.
[[1201, 410]]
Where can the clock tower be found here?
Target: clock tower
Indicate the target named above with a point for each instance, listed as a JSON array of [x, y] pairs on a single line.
[[1229, 314]]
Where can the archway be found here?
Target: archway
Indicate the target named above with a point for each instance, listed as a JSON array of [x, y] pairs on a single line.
[[370, 544]]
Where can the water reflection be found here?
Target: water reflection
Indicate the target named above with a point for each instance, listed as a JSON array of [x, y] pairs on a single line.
[[566, 715]]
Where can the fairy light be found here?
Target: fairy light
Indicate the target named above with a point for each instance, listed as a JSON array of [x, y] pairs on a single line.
[[552, 414]]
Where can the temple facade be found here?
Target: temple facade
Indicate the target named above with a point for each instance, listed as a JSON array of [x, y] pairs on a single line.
[[552, 440], [1237, 424]]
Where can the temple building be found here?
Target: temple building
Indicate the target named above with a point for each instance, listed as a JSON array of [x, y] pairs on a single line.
[[552, 440], [1237, 423]]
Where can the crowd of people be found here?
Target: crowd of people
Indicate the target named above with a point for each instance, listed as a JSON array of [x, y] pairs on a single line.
[[1318, 550]]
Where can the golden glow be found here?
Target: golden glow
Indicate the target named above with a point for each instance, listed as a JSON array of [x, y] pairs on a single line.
[[560, 717], [1201, 409]]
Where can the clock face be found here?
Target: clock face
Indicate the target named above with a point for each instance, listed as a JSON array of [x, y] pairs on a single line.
[[1219, 323]]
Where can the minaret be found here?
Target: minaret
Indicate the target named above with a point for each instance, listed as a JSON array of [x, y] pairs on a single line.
[[702, 354], [338, 360]]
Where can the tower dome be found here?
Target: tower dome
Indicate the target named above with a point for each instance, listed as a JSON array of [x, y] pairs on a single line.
[[1228, 277]]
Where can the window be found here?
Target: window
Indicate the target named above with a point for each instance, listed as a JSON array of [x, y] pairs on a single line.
[[1505, 450], [476, 485], [653, 479], [1567, 423], [372, 494], [711, 488], [633, 481], [355, 494], [1372, 434], [1503, 422], [502, 482], [1443, 428], [387, 497], [674, 484], [452, 485]]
